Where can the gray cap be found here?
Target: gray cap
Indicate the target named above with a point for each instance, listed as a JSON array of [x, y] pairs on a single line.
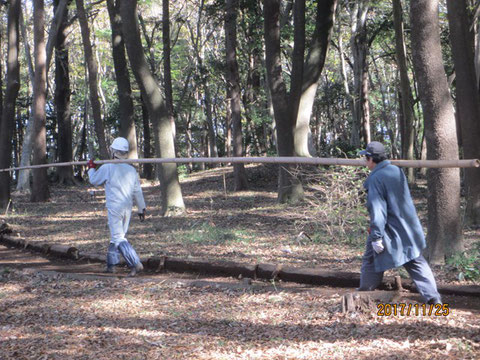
[[374, 148]]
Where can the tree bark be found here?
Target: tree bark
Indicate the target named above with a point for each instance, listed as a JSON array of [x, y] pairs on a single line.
[[233, 91], [1, 77], [359, 46], [254, 76], [228, 127], [406, 98], [311, 74], [23, 181], [296, 78], [147, 140], [167, 76], [59, 21], [127, 119], [204, 80], [172, 200], [468, 101], [364, 102], [348, 93], [40, 191], [62, 101], [212, 140], [444, 221], [289, 189], [92, 80], [8, 108]]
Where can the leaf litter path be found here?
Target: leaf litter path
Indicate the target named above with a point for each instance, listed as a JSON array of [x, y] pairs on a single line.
[[58, 310], [51, 309]]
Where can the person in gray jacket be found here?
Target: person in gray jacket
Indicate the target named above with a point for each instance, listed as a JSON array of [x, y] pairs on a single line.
[[122, 185], [396, 236]]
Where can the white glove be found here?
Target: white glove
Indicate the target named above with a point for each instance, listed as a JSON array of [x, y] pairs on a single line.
[[378, 246]]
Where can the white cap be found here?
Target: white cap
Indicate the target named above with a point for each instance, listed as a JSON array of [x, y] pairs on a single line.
[[120, 144]]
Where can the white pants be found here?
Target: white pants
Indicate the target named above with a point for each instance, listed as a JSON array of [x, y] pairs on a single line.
[[118, 222]]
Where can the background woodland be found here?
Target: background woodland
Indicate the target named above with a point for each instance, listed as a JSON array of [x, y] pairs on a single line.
[[243, 78]]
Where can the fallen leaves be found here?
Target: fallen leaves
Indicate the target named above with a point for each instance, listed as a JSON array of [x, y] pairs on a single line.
[[166, 317]]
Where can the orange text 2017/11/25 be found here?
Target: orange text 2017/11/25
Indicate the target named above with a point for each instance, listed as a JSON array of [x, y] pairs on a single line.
[[404, 309]]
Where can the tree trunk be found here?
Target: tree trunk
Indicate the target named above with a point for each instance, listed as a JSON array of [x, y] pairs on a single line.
[[92, 80], [58, 22], [359, 46], [172, 200], [212, 142], [289, 189], [167, 76], [1, 77], [468, 101], [228, 127], [150, 51], [40, 191], [406, 98], [17, 135], [233, 92], [127, 120], [147, 140], [253, 79], [444, 221], [188, 136], [62, 101], [364, 102], [298, 57], [348, 93], [204, 81], [82, 150], [8, 108], [311, 74], [385, 113], [23, 181]]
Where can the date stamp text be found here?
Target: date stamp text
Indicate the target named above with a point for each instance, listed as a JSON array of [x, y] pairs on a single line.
[[404, 309]]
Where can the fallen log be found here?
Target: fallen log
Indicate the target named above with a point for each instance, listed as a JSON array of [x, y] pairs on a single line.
[[260, 271], [227, 268], [64, 251]]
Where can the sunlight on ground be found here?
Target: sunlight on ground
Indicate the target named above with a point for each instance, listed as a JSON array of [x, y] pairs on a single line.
[[327, 230]]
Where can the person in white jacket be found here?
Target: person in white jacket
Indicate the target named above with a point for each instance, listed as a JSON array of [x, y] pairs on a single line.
[[122, 185]]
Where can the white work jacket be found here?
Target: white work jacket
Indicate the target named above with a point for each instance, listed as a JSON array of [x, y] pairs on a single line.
[[122, 185]]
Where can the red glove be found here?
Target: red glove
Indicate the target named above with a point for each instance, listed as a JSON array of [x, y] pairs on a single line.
[[91, 164]]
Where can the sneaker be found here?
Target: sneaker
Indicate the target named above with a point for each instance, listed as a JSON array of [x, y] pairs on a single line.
[[110, 269], [137, 268]]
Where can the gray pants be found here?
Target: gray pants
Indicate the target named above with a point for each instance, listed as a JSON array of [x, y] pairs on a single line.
[[418, 269]]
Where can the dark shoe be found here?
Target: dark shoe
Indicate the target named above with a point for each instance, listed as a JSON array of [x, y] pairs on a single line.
[[136, 269], [435, 301], [110, 270]]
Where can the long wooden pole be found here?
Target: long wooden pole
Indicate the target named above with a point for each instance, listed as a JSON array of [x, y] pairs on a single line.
[[472, 163]]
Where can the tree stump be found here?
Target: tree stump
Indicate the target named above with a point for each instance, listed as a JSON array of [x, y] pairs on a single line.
[[365, 301], [355, 302]]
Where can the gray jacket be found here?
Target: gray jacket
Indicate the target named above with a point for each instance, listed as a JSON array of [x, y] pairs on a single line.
[[393, 217]]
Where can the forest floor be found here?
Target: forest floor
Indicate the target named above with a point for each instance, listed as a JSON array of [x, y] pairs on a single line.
[[51, 314]]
